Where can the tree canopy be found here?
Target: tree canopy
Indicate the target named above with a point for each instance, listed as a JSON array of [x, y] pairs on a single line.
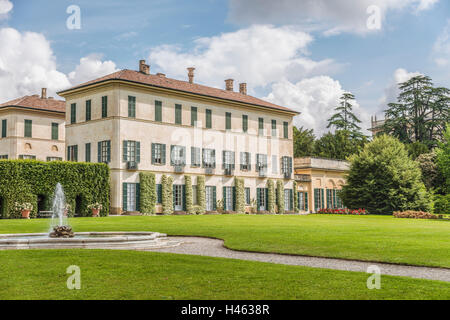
[[344, 118]]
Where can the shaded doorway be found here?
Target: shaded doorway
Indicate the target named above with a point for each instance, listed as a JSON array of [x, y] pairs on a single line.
[[78, 206]]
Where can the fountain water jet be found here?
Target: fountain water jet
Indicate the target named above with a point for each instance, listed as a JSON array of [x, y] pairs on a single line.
[[59, 226]]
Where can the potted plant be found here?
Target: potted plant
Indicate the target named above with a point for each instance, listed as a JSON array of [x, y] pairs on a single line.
[[25, 209], [67, 210], [95, 208]]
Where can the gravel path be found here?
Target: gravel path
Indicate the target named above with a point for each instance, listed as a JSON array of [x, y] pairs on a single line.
[[215, 248]]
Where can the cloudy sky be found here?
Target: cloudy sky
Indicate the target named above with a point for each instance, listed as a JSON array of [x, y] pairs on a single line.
[[302, 54]]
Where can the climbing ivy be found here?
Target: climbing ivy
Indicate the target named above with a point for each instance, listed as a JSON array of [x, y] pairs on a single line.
[[296, 207], [201, 194], [148, 192], [26, 180], [240, 195], [270, 196], [189, 195], [167, 194], [280, 197]]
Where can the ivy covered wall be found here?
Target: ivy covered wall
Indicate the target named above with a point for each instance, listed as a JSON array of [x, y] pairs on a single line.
[[148, 192], [29, 180]]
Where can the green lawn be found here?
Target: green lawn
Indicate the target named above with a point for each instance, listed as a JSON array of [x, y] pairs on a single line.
[[41, 274], [374, 238]]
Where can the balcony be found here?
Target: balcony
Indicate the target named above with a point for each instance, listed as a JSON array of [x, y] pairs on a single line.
[[132, 165], [262, 171], [178, 167], [209, 171], [287, 175], [229, 171], [302, 178]]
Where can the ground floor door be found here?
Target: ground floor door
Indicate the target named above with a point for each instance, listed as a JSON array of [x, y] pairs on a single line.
[[131, 197], [210, 199], [178, 197]]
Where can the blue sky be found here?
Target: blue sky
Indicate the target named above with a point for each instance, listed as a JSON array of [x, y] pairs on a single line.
[[311, 73]]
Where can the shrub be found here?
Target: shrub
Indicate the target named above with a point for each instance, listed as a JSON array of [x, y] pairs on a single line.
[[383, 179], [23, 180], [280, 197], [296, 206], [189, 195], [148, 192], [416, 215], [167, 194], [358, 212], [442, 204], [240, 195], [201, 194], [270, 196], [443, 158]]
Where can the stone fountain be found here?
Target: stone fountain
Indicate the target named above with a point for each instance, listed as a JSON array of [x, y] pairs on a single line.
[[59, 226]]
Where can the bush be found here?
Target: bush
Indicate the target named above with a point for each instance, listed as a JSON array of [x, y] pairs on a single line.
[[296, 206], [201, 195], [189, 195], [167, 194], [416, 215], [442, 204], [280, 197], [383, 179], [148, 192], [240, 195], [23, 180], [270, 196], [358, 212]]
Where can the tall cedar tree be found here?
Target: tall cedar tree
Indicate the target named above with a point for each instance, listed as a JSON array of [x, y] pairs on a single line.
[[344, 118]]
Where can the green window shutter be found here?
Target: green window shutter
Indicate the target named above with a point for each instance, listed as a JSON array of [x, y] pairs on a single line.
[[193, 161], [178, 114], [163, 154], [76, 153], [234, 198], [208, 119], [87, 154], [328, 198], [193, 116], [258, 198], [214, 198], [108, 151], [104, 107], [99, 152], [274, 128], [4, 128], [68, 154], [306, 201], [125, 150], [261, 126], [88, 110], [28, 128], [153, 153], [228, 121], [171, 156], [244, 123], [138, 152], [138, 197], [73, 113], [322, 198], [224, 197], [183, 188], [316, 199], [158, 111], [131, 107], [159, 193], [55, 133], [124, 197], [291, 204], [286, 130]]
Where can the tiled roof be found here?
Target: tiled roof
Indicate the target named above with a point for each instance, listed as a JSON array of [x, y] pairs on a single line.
[[35, 102], [185, 86]]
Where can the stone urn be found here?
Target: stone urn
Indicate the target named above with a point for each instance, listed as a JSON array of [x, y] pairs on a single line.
[[25, 214], [95, 212]]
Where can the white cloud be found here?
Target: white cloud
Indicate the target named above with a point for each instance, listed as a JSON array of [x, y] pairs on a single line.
[[333, 16], [316, 99], [91, 67], [5, 7], [259, 55], [27, 64], [441, 48]]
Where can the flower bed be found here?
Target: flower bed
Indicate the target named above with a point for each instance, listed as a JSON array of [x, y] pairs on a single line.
[[416, 215], [358, 212]]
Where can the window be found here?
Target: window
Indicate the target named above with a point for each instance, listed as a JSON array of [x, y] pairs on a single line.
[[131, 151], [261, 163], [245, 161], [194, 116], [104, 107], [244, 123], [87, 153], [27, 157], [131, 197], [195, 157], [131, 107], [286, 165], [179, 194], [247, 197], [177, 156], [158, 111], [319, 202], [88, 110], [159, 193], [211, 202], [228, 121], [73, 113], [194, 195], [301, 201], [55, 131], [158, 153], [261, 199], [72, 153], [286, 130], [178, 114], [274, 128], [4, 157], [4, 128], [49, 159], [208, 119], [228, 198], [104, 152], [228, 160], [274, 165], [288, 200], [28, 129], [261, 126], [209, 158]]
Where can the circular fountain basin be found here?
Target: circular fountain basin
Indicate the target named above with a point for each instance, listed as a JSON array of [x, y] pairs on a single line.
[[88, 240]]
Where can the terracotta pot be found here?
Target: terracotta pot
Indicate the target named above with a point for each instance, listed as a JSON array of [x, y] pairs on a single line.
[[25, 214], [95, 212]]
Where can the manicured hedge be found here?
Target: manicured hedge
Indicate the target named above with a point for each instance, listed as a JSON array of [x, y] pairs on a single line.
[[270, 196], [25, 180], [240, 195], [280, 197], [148, 192]]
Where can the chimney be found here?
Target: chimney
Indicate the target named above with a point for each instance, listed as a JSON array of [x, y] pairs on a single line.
[[44, 93], [191, 74], [144, 68], [229, 86], [243, 88]]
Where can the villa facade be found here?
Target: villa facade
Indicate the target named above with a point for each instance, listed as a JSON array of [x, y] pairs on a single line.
[[33, 127], [140, 122]]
